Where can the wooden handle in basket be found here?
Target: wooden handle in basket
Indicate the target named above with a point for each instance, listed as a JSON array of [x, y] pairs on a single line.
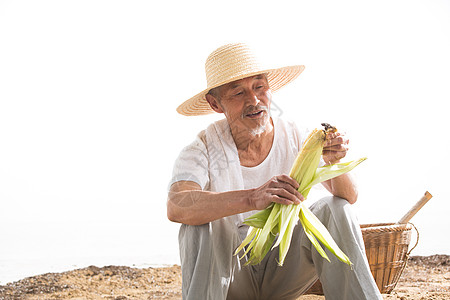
[[415, 208]]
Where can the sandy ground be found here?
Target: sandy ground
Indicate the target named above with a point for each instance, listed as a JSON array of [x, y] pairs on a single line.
[[425, 278]]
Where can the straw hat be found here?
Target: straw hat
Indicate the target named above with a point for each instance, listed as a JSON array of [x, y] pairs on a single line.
[[230, 63]]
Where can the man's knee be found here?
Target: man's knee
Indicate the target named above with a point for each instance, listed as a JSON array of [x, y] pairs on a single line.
[[333, 208], [337, 204], [332, 203]]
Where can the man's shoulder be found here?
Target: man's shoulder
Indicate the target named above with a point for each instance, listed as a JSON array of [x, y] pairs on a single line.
[[200, 140], [220, 127], [288, 126], [289, 131], [285, 123]]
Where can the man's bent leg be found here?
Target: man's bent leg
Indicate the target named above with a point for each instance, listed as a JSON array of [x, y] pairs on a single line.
[[303, 263], [339, 281], [207, 261], [244, 283], [267, 280], [296, 275]]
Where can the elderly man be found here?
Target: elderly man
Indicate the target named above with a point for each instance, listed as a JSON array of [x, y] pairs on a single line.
[[238, 166]]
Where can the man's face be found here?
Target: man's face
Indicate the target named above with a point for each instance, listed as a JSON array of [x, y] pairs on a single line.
[[246, 104]]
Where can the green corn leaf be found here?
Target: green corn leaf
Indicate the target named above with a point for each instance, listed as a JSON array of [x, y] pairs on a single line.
[[328, 172], [286, 238], [253, 242], [260, 218], [247, 240], [286, 214], [256, 257], [266, 232], [310, 221], [312, 238]]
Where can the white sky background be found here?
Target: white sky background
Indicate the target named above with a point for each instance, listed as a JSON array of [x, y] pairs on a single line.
[[89, 132]]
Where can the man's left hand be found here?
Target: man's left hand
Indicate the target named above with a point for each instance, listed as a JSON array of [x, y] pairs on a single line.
[[335, 148]]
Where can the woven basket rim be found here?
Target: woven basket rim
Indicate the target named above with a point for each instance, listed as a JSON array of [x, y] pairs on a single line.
[[382, 227]]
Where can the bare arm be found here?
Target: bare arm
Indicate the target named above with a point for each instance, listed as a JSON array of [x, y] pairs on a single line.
[[343, 186], [188, 204]]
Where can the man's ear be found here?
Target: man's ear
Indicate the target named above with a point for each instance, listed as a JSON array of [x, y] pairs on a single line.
[[213, 103]]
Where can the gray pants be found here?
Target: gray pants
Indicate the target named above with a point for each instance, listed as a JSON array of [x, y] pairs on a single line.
[[303, 265]]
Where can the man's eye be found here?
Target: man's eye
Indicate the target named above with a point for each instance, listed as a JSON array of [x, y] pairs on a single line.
[[259, 87], [238, 94]]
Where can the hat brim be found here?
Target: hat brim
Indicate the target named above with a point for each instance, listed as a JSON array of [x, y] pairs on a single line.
[[277, 78]]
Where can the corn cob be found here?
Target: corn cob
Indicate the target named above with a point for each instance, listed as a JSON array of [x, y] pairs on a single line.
[[278, 221]]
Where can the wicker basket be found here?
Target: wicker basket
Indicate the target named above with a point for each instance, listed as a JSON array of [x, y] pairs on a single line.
[[387, 252]]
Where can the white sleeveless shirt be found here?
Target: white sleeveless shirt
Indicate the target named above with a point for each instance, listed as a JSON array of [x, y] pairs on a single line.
[[194, 162]]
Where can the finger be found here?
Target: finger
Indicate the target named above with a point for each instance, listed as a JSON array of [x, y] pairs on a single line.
[[281, 200], [292, 196], [332, 135], [284, 200], [291, 187], [340, 140], [334, 155], [337, 148], [298, 197], [334, 151], [289, 180], [296, 193]]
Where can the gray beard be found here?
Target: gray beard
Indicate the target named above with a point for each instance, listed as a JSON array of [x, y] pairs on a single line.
[[257, 131]]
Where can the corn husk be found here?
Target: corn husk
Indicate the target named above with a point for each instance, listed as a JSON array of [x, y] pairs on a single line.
[[273, 226]]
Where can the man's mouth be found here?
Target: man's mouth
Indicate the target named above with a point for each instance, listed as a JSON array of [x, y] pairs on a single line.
[[255, 114]]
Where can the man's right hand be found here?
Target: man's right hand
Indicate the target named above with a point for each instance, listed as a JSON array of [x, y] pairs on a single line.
[[279, 189]]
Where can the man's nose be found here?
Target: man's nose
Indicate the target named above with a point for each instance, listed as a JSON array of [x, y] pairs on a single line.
[[252, 98]]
